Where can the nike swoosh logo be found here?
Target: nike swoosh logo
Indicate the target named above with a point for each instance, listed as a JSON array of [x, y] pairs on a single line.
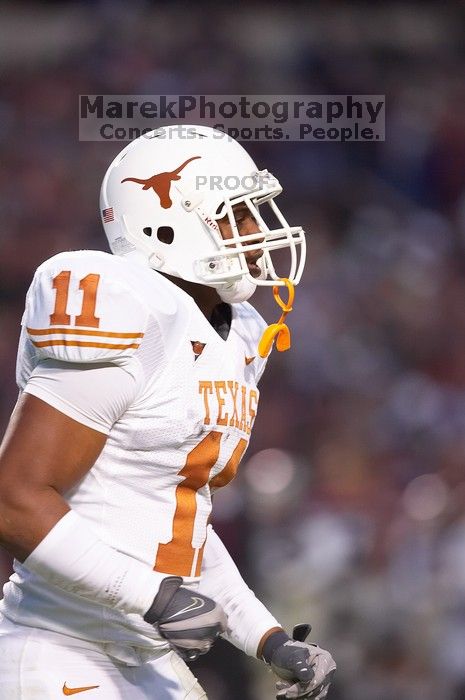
[[73, 691], [196, 604], [248, 360]]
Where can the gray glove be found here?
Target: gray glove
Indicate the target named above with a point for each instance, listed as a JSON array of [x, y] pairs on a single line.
[[306, 669], [188, 620]]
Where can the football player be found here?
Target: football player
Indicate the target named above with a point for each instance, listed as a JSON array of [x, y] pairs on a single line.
[[138, 378]]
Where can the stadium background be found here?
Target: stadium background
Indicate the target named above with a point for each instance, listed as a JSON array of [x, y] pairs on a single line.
[[349, 509]]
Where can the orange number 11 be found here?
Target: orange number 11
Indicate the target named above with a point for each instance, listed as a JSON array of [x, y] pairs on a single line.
[[88, 285], [178, 556]]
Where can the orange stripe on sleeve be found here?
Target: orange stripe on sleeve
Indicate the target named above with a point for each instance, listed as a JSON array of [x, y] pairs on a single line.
[[80, 331], [84, 344]]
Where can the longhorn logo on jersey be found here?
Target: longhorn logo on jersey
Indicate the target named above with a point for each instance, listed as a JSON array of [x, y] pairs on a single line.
[[160, 183]]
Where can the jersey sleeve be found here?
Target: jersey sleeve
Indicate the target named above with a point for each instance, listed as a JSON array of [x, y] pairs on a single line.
[[95, 395], [79, 309]]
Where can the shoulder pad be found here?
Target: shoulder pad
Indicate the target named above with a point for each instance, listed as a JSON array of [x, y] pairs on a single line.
[[81, 308]]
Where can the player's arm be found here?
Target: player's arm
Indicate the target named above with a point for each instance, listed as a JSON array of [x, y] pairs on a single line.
[[44, 453], [306, 669], [49, 446], [249, 621]]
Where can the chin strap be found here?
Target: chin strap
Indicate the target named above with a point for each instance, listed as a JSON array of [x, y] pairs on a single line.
[[279, 330], [236, 292]]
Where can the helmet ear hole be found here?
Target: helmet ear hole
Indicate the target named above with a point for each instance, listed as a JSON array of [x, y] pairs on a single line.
[[165, 234], [148, 231]]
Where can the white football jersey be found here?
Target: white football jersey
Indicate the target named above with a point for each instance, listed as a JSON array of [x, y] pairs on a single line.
[[180, 436]]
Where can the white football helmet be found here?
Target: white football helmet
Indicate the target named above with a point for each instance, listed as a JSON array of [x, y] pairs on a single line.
[[162, 197]]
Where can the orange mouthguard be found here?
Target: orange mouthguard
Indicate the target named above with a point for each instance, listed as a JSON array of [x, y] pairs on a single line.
[[279, 330]]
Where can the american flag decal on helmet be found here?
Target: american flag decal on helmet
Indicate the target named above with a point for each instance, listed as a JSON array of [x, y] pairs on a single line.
[[108, 215]]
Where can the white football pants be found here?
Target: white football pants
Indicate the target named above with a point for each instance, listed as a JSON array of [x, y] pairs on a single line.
[[40, 665]]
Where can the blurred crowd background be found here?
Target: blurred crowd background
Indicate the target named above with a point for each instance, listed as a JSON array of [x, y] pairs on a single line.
[[349, 510]]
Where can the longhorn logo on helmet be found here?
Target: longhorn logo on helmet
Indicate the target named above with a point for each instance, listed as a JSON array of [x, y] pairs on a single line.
[[160, 183]]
